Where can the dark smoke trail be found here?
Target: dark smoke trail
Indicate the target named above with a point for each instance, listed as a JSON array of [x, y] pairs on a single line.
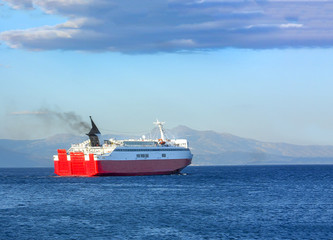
[[43, 122], [65, 119]]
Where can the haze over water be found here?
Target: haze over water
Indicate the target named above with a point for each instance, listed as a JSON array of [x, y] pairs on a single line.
[[245, 202]]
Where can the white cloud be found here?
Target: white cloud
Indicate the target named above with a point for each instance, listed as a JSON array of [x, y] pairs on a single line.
[[291, 25], [181, 42], [134, 26], [28, 113], [21, 4]]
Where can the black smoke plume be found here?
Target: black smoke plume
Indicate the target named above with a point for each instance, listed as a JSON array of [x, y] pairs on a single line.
[[44, 122], [67, 120]]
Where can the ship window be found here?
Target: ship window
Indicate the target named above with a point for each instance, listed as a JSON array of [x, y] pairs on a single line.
[[138, 155], [163, 155]]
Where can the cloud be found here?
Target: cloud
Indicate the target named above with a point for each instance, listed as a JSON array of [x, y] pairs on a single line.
[[136, 26], [28, 113], [21, 4]]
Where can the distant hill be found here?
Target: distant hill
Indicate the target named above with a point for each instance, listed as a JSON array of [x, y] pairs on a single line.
[[212, 148], [208, 147]]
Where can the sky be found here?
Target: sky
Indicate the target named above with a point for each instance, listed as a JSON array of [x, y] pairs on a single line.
[[255, 69]]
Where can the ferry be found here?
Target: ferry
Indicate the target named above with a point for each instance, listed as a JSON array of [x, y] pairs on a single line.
[[131, 157]]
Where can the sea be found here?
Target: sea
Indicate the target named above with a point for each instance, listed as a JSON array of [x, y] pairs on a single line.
[[204, 202]]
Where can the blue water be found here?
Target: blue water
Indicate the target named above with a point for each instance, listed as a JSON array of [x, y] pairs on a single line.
[[244, 202]]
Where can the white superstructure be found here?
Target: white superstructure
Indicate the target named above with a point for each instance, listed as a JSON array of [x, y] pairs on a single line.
[[131, 149]]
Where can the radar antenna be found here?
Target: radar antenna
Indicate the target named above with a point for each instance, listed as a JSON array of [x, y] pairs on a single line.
[[160, 126]]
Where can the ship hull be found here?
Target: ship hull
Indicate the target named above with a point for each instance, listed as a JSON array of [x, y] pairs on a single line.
[[141, 167], [77, 164]]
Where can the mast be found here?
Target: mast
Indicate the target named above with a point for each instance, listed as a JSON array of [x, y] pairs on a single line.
[[93, 134], [160, 126]]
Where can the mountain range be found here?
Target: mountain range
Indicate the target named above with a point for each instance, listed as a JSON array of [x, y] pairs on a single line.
[[208, 147]]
